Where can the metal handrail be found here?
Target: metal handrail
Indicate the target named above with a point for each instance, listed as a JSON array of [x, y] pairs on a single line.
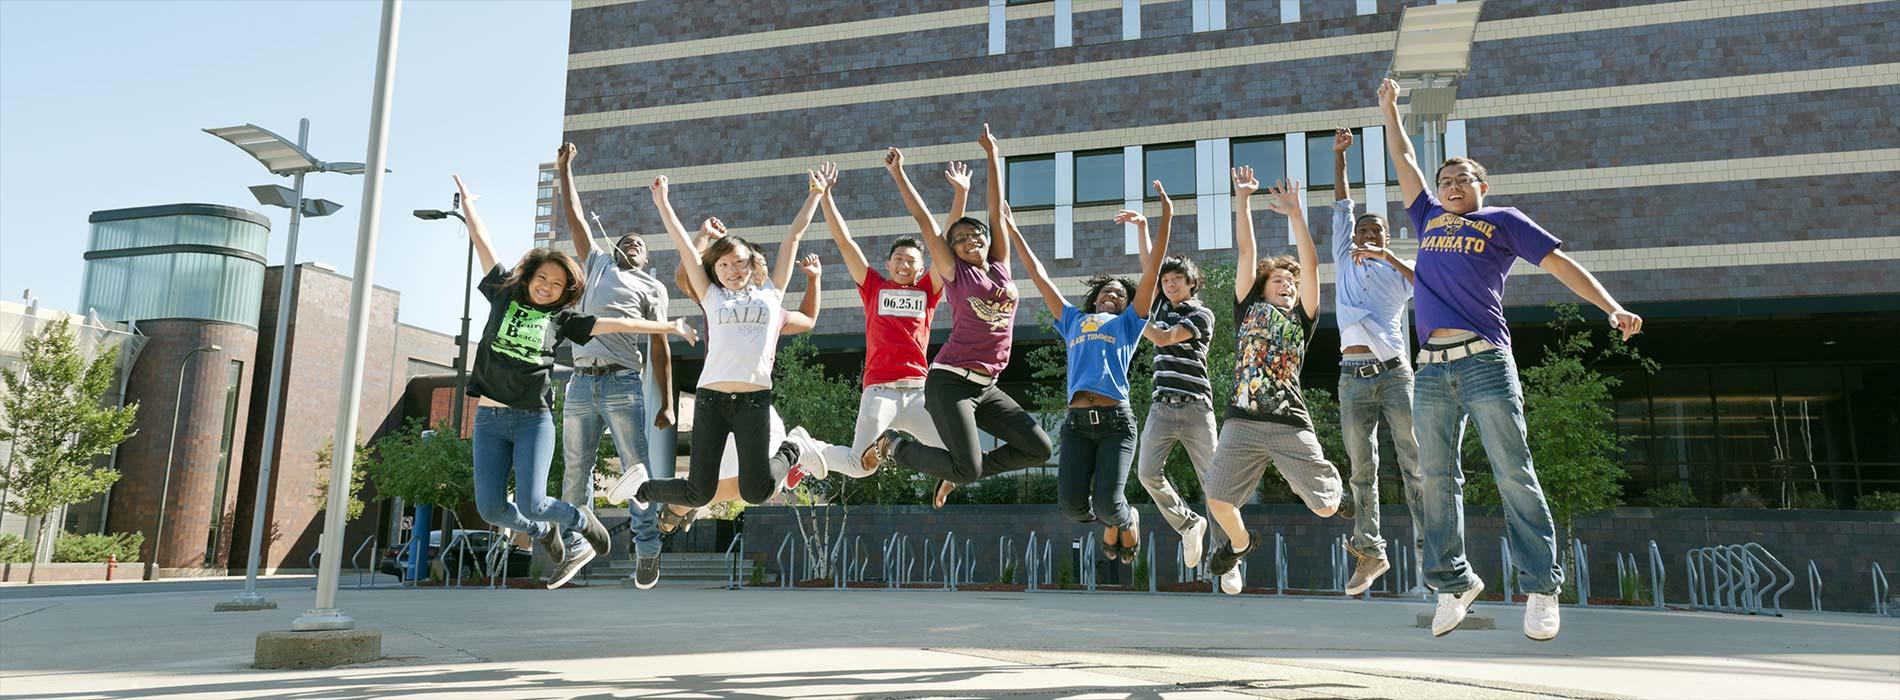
[[354, 557], [785, 574], [1881, 590], [735, 553]]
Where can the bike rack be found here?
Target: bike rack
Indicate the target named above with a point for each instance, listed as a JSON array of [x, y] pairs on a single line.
[[1881, 589], [1032, 571], [785, 573], [1657, 574], [1505, 579], [1786, 577], [735, 553], [1340, 570], [1814, 587], [1279, 566], [947, 555], [1149, 552], [1582, 552], [1087, 564]]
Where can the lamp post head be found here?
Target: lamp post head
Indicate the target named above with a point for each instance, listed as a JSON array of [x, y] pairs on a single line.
[[210, 348]]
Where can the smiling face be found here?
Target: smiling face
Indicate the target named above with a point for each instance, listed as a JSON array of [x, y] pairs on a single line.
[[1461, 187], [1283, 288], [970, 243], [548, 283], [1176, 287], [1370, 230], [1112, 299], [734, 269], [905, 265]]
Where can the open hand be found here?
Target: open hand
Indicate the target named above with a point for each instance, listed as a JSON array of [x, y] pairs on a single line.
[[821, 180], [1284, 198], [1244, 183], [987, 140], [681, 329], [467, 198], [1130, 216], [1362, 253], [958, 175], [1389, 95]]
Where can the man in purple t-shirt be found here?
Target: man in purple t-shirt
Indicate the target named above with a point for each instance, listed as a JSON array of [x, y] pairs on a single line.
[[1465, 250]]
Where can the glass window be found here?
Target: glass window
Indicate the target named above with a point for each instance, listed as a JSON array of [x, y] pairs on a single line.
[[233, 380], [1418, 146], [544, 210], [543, 227], [1266, 155], [547, 176], [1173, 165], [1814, 414], [1098, 177], [1684, 416], [1873, 394], [544, 193], [1319, 160], [1032, 181]]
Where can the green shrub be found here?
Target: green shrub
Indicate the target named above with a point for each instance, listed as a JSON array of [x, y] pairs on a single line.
[[1139, 579], [1879, 500], [1676, 495], [69, 548], [758, 573], [1812, 500], [1065, 575], [1745, 498], [13, 550], [1008, 574]]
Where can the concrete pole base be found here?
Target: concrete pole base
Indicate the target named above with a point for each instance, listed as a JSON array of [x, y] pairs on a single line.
[[324, 649], [1472, 621], [243, 606]]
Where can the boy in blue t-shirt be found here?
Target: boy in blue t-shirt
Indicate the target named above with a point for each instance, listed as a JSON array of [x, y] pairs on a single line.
[[1465, 368]]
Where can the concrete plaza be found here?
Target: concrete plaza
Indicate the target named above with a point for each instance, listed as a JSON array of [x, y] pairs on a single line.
[[681, 641]]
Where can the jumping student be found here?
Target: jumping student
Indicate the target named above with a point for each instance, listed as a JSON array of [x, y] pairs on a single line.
[[1267, 422], [529, 314], [961, 387], [1465, 368]]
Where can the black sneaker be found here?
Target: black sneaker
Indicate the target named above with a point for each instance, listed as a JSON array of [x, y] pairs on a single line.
[[1346, 509], [577, 557], [553, 544], [646, 572], [595, 532], [1225, 558]]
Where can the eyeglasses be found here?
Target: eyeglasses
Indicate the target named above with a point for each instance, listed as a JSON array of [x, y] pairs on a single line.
[[1461, 181]]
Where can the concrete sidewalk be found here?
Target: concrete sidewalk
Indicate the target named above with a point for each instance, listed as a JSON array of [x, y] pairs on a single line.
[[606, 642]]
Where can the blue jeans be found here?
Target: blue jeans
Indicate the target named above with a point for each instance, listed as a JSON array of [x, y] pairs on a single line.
[[1363, 403], [1485, 387], [1098, 446], [520, 440], [614, 403]]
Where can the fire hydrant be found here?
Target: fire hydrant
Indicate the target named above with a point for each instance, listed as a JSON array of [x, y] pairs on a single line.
[[112, 561]]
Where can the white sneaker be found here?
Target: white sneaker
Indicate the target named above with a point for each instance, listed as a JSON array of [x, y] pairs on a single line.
[[1232, 581], [628, 484], [1193, 542], [1540, 617], [1452, 608], [811, 455]]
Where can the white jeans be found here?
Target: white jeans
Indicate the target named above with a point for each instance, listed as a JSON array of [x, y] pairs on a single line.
[[880, 408]]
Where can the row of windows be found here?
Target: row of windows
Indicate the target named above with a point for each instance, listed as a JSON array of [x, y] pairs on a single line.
[[1099, 175]]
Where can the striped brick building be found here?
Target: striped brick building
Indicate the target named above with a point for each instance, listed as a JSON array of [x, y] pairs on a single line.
[[1728, 168]]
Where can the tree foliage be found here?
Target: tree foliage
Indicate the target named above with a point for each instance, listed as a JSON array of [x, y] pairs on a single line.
[[436, 470], [320, 494]]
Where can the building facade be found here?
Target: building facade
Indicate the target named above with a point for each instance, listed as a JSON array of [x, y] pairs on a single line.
[[1725, 169], [548, 231]]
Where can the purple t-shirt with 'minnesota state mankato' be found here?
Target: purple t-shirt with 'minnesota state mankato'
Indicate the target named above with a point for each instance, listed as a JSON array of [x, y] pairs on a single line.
[[1462, 262]]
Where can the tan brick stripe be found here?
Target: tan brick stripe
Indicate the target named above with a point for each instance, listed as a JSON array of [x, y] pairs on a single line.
[[1646, 15]]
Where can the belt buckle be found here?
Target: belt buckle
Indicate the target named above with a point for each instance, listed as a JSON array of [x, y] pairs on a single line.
[[1363, 374], [1095, 416]]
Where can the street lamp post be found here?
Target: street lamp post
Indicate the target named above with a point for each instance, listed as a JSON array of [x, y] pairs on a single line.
[[283, 158], [468, 284], [164, 493]]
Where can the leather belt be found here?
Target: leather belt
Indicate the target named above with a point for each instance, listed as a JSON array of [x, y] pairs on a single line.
[[967, 374], [599, 370], [1374, 369], [1430, 354]]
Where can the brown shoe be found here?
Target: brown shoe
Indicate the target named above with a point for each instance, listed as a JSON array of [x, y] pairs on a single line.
[[1369, 569], [942, 493]]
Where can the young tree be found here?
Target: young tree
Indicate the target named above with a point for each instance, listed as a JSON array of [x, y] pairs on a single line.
[[434, 470], [58, 426], [320, 496]]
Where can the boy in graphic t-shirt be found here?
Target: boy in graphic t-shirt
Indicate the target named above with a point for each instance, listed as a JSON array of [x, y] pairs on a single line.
[[1465, 250], [1267, 421]]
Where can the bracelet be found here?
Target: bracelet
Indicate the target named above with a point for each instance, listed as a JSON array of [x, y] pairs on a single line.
[[815, 188]]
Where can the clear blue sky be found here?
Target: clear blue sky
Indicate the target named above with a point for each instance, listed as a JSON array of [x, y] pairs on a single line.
[[101, 105]]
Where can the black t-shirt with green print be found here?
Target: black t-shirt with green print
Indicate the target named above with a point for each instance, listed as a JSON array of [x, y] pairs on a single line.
[[517, 350]]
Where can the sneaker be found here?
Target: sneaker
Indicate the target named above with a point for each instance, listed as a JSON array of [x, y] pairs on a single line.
[[1194, 541], [1452, 608], [883, 451], [811, 456], [646, 572], [1346, 509], [552, 543], [595, 533], [1225, 558], [577, 557], [1231, 582], [1540, 617], [787, 457], [1370, 568], [629, 483]]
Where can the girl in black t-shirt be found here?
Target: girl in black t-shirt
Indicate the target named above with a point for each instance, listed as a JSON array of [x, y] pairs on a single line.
[[529, 315]]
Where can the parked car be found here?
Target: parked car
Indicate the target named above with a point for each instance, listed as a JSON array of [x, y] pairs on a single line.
[[471, 560]]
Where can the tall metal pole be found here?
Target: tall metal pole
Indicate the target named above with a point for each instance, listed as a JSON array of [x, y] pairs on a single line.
[[165, 492], [461, 350], [261, 496], [325, 615]]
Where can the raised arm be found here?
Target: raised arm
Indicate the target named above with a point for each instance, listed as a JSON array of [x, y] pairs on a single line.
[[695, 276], [848, 249], [817, 184], [1244, 187], [942, 266], [1585, 285], [1050, 295], [1151, 264], [806, 317], [958, 173], [1284, 199], [1360, 254], [676, 326], [709, 229], [993, 193], [1404, 161], [477, 233], [1342, 141], [577, 230]]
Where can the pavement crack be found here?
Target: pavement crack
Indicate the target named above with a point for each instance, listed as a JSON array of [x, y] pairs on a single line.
[[10, 618]]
